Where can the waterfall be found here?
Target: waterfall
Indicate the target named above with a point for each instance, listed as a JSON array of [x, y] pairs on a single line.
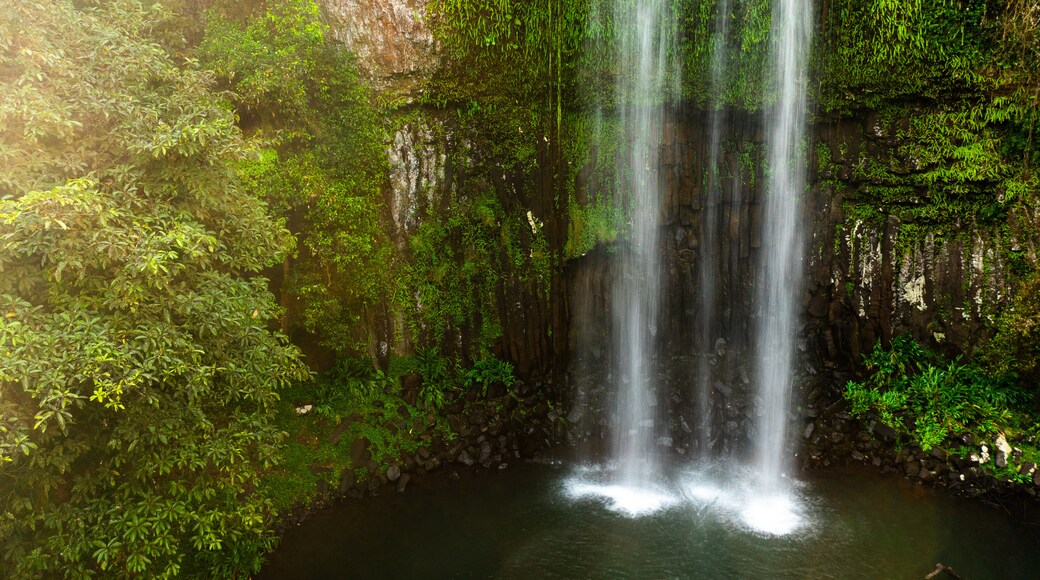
[[633, 480], [709, 244], [780, 270], [643, 38]]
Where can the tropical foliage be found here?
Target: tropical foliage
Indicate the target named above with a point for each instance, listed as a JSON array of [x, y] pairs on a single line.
[[137, 370], [157, 164], [929, 400], [321, 162]]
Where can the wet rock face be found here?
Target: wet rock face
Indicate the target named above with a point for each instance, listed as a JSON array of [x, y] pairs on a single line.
[[868, 274], [393, 42], [871, 274], [418, 161]]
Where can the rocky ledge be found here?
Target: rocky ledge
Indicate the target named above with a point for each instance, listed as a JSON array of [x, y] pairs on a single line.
[[487, 433], [992, 470]]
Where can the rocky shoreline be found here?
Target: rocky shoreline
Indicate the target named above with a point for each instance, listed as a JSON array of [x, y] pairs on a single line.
[[832, 438], [490, 433], [521, 427]]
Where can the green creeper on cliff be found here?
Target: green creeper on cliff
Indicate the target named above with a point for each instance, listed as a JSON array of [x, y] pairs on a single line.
[[136, 362]]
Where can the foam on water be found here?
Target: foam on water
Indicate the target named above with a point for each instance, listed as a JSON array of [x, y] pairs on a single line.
[[598, 482], [625, 500], [726, 494], [773, 515], [733, 495]]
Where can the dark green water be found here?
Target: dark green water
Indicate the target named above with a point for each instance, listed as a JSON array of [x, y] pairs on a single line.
[[522, 523]]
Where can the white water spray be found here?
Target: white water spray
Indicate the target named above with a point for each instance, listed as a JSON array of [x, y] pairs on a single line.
[[644, 37], [780, 274], [709, 243]]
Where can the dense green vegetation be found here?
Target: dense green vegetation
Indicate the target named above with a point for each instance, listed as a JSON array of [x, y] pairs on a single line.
[[159, 163], [952, 90], [932, 402], [137, 373], [956, 86], [320, 161]]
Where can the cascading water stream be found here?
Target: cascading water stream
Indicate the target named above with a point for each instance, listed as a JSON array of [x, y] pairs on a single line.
[[641, 91], [709, 245], [633, 478], [780, 271]]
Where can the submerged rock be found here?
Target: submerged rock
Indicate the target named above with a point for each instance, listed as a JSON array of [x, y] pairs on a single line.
[[403, 482], [346, 482]]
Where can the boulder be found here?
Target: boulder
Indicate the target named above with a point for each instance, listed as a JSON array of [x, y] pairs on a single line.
[[1000, 459], [983, 456], [392, 39], [886, 433], [911, 469], [465, 458], [393, 473], [359, 454], [1002, 445], [346, 481]]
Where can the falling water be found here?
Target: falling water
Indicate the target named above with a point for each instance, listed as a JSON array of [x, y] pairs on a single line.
[[780, 270], [709, 246], [643, 98], [642, 88]]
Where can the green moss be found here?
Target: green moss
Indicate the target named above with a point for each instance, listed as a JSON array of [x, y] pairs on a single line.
[[749, 160], [745, 82], [592, 225], [873, 52]]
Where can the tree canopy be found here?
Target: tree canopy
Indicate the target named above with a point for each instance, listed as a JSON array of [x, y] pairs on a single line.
[[136, 360]]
